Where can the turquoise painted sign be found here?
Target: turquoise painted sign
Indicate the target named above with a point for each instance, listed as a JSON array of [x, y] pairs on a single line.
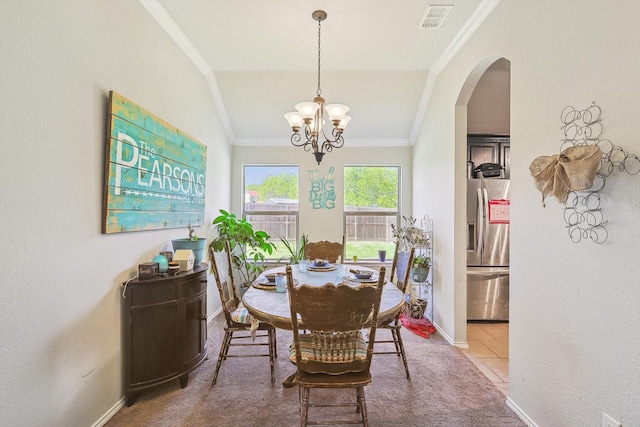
[[323, 193], [155, 175]]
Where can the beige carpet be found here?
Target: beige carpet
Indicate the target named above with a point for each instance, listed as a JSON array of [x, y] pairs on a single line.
[[446, 389]]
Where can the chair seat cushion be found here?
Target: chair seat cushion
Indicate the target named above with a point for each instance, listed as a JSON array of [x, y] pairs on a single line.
[[344, 380], [241, 315], [327, 355]]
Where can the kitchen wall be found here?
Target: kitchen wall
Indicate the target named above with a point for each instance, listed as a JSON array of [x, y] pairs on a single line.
[[574, 307], [61, 281]]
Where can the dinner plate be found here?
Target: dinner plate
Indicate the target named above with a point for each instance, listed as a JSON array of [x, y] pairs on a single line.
[[371, 279], [266, 282], [328, 267], [323, 265]]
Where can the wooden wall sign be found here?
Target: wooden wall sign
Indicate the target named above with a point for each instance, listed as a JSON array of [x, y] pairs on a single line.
[[155, 175]]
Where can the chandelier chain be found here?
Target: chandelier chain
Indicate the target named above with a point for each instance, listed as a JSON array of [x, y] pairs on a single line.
[[319, 91]]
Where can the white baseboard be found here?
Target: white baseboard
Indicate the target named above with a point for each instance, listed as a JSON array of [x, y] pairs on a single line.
[[520, 413], [122, 402], [213, 315], [510, 403], [459, 344], [110, 413]]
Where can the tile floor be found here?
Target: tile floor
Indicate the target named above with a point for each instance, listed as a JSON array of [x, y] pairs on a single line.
[[489, 351]]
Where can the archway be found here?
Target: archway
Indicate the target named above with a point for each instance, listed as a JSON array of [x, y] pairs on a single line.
[[482, 117]]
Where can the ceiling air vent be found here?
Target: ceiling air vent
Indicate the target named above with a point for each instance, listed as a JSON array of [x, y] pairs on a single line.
[[435, 16]]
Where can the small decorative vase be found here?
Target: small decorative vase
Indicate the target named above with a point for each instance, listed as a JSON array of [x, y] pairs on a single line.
[[163, 263]]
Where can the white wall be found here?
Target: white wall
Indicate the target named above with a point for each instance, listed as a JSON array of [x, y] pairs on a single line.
[[322, 224], [61, 352], [489, 105], [574, 307]]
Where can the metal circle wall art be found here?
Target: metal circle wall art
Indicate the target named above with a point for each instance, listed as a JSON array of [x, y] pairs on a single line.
[[582, 210]]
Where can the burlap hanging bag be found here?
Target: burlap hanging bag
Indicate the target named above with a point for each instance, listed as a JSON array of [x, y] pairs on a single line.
[[543, 170], [572, 170]]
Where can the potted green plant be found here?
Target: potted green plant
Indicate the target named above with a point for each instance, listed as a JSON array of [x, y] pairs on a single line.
[[296, 254], [420, 268], [248, 246], [192, 242]]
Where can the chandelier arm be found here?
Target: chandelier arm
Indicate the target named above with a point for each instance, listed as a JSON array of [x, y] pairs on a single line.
[[308, 134], [295, 139], [306, 145], [338, 139], [330, 145]]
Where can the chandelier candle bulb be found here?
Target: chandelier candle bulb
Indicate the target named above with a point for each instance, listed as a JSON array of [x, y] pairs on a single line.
[[336, 112], [343, 123], [307, 110], [295, 121]]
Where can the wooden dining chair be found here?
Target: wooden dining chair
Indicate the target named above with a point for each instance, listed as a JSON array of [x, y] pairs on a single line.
[[333, 353], [239, 326], [401, 267], [331, 251]]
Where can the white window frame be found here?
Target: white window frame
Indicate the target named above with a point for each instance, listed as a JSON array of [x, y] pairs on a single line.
[[295, 214], [354, 213]]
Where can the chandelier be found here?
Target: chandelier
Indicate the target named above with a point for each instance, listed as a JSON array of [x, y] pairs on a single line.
[[310, 115]]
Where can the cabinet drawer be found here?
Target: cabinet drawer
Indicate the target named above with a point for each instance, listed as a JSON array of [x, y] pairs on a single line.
[[153, 293], [193, 286]]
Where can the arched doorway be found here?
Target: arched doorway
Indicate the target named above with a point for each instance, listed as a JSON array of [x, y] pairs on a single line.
[[482, 125]]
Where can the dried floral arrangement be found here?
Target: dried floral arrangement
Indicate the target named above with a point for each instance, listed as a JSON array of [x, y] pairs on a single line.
[[409, 235]]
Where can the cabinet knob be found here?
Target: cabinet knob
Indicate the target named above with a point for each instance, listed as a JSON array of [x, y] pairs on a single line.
[[203, 281], [203, 317]]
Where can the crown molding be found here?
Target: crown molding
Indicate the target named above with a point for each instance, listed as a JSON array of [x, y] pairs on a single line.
[[160, 14], [273, 142], [479, 15]]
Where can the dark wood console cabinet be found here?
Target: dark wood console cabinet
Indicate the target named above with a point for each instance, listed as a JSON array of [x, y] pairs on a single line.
[[165, 329]]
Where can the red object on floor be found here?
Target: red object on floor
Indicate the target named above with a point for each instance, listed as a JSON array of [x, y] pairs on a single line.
[[422, 327]]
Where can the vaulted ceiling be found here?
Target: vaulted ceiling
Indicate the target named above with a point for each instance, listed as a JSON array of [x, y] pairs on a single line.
[[260, 58]]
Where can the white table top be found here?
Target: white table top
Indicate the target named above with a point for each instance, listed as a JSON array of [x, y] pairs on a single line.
[[273, 307]]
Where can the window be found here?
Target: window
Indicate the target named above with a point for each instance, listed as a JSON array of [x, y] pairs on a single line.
[[271, 202], [371, 205]]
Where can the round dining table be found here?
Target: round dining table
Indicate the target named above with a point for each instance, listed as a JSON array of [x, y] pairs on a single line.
[[267, 305], [272, 307]]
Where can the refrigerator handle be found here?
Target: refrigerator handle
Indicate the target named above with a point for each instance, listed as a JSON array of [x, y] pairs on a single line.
[[485, 209], [480, 223]]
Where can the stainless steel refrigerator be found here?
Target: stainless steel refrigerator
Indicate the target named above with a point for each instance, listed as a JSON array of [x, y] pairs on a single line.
[[488, 226]]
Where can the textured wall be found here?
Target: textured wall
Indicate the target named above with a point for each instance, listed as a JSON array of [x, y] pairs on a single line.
[[574, 307], [60, 317]]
